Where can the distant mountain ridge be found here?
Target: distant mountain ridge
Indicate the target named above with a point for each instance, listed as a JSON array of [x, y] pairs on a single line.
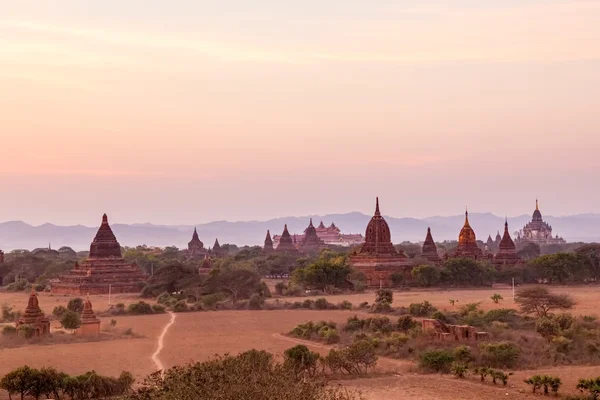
[[19, 235]]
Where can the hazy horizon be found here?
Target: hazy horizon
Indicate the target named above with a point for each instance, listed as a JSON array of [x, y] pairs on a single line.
[[202, 111]]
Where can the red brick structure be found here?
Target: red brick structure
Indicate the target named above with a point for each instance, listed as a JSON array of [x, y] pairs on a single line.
[[217, 250], [467, 242], [268, 247], [90, 325], [455, 333], [311, 243], [196, 247], [429, 251], [34, 316], [378, 259], [286, 243], [330, 235], [507, 254], [104, 268]]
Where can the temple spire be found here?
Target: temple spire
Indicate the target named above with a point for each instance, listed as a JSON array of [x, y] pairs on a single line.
[[311, 224], [105, 219], [466, 216], [377, 207], [537, 205]]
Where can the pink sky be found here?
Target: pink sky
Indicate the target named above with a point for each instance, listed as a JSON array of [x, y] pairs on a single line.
[[202, 111]]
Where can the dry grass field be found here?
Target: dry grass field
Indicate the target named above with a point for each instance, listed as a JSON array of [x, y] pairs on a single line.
[[199, 336]]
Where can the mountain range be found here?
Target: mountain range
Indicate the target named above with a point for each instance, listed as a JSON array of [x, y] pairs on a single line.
[[19, 235]]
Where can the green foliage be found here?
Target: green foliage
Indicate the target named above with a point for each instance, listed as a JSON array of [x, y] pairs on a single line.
[[398, 279], [59, 311], [27, 331], [591, 386], [321, 304], [8, 315], [139, 308], [179, 307], [253, 375], [406, 323], [463, 354], [256, 302], [345, 305], [237, 283], [500, 355], [9, 330], [496, 298], [280, 288], [540, 301], [211, 300], [70, 320], [18, 286], [482, 372], [500, 314], [459, 369], [426, 275], [561, 268], [301, 360], [325, 273], [548, 382], [424, 309], [75, 305], [157, 309], [436, 360], [467, 272]]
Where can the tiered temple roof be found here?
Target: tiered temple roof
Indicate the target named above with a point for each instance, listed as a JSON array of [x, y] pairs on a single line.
[[429, 250], [467, 241], [268, 243], [378, 259], [311, 243], [90, 325], [507, 253], [286, 243], [217, 250], [34, 316], [195, 246], [104, 268], [538, 231]]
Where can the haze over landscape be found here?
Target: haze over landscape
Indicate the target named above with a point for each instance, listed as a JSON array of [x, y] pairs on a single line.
[[195, 112]]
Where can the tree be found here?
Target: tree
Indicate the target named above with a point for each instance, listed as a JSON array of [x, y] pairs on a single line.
[[238, 283], [70, 320], [325, 273], [18, 381], [75, 305], [529, 251], [538, 300], [590, 385], [426, 275], [589, 255], [301, 360], [466, 271], [560, 268], [496, 298]]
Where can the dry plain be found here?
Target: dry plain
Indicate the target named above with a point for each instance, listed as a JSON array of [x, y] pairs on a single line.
[[199, 336]]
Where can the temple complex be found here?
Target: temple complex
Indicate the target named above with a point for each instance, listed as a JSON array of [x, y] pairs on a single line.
[[538, 231], [286, 243], [33, 316], [311, 242], [330, 235], [429, 250], [90, 325], [467, 242], [268, 247], [378, 259], [196, 247], [507, 254], [104, 270]]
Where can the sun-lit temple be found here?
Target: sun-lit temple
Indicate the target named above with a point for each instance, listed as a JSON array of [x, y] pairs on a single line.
[[538, 231], [377, 258], [467, 242], [34, 317], [104, 269]]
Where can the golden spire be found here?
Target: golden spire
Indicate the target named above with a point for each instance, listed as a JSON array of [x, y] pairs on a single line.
[[466, 215]]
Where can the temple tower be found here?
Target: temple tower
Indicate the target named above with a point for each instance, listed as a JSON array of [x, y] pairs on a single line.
[[311, 243], [268, 247], [467, 241], [34, 316], [429, 250], [507, 253], [195, 246], [286, 243], [90, 325]]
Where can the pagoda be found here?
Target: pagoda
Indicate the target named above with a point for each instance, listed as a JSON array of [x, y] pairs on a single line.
[[90, 325], [429, 250], [33, 316], [286, 243], [196, 247], [377, 258], [311, 243], [104, 270], [467, 242], [330, 235], [538, 231], [217, 250], [507, 253], [268, 248]]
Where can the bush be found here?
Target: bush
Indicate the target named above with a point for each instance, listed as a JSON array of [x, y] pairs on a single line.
[[180, 306], [9, 330], [321, 304], [164, 298], [332, 336], [436, 361], [75, 305], [500, 355], [59, 311], [496, 298], [18, 286], [440, 316], [424, 309], [301, 360], [459, 369], [256, 302], [308, 304], [345, 305], [156, 309], [211, 300], [70, 320], [27, 331], [139, 308], [463, 354], [280, 288], [547, 327], [384, 295], [8, 315], [406, 323], [501, 315]]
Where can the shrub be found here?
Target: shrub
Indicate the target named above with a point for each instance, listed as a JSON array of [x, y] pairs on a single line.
[[381, 324], [362, 355], [345, 305], [164, 298], [18, 286], [396, 341], [280, 288], [564, 320], [500, 314], [180, 306], [436, 360], [424, 309], [59, 311], [500, 355], [321, 304], [139, 308], [8, 315], [301, 360], [499, 375], [397, 279], [256, 302], [211, 300], [364, 304], [75, 305], [440, 316], [496, 298], [308, 304], [547, 327], [70, 320], [27, 331], [332, 336], [482, 372], [354, 324], [459, 369], [406, 323], [9, 330], [463, 354], [156, 309], [592, 386]]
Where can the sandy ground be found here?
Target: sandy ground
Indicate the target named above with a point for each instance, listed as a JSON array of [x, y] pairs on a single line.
[[199, 336]]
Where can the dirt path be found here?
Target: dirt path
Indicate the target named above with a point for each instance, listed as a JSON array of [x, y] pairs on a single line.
[[159, 347]]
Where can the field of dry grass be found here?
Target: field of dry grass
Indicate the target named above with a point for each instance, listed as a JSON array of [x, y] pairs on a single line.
[[199, 336]]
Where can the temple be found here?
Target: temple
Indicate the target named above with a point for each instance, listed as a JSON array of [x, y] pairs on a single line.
[[429, 250], [507, 254], [331, 235], [311, 243], [268, 247], [196, 247], [34, 317], [103, 271], [538, 231], [378, 259], [286, 243], [467, 242], [90, 325]]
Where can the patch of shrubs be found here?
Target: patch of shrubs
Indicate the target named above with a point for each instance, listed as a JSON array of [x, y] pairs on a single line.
[[424, 309]]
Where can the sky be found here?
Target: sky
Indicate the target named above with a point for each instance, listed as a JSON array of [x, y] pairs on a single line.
[[193, 111]]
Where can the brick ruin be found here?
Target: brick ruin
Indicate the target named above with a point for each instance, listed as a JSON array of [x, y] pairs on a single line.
[[456, 333]]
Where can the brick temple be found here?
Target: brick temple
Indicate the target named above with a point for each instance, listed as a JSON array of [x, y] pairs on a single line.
[[467, 242], [331, 235], [104, 268], [34, 317], [507, 253], [90, 325], [429, 250], [378, 259]]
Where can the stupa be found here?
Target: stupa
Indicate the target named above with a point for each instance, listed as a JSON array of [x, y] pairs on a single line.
[[378, 259], [196, 247], [90, 325], [217, 250], [467, 242], [286, 243], [268, 247], [507, 255], [311, 243], [429, 250], [104, 270], [33, 316], [538, 231]]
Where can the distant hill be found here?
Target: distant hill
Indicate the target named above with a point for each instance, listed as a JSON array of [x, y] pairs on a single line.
[[19, 235]]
